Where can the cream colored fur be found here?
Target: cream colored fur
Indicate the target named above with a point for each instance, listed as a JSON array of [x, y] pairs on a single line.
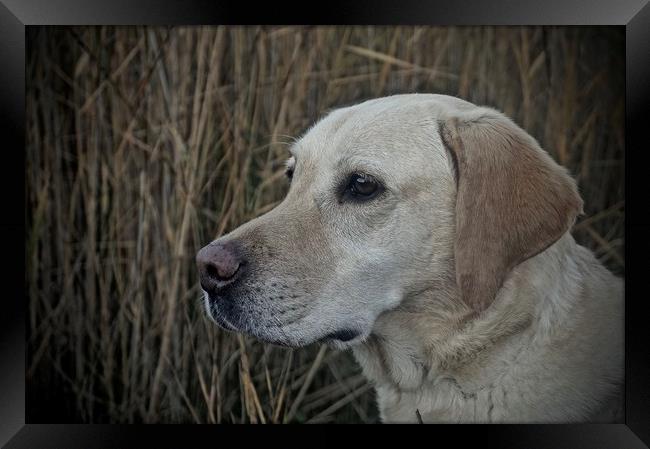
[[547, 348], [550, 349]]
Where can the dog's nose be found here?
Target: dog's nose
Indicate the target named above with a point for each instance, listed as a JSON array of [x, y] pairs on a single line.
[[218, 265]]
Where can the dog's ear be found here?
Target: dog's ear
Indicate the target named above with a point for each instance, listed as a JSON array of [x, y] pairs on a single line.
[[513, 201]]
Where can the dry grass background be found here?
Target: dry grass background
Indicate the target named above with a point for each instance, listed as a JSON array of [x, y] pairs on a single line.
[[143, 144]]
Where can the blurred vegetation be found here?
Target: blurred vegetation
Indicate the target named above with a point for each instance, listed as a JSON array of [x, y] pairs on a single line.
[[143, 144]]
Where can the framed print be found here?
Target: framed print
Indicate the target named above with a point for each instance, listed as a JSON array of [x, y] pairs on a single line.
[[367, 214]]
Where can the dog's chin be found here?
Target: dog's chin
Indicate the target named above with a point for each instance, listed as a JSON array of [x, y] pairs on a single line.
[[224, 323], [340, 339]]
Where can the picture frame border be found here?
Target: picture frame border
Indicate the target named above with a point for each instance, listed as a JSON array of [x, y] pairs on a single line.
[[17, 15]]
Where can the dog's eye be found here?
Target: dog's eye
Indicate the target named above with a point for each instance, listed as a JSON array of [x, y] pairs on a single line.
[[363, 186], [289, 173]]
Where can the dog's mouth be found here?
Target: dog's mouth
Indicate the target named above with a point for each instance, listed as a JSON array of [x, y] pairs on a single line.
[[223, 317], [339, 338], [343, 335]]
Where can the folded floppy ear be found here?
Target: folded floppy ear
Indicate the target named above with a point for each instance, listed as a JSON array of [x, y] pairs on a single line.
[[513, 200]]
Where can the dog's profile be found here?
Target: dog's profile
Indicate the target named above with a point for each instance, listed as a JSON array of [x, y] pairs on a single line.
[[432, 237]]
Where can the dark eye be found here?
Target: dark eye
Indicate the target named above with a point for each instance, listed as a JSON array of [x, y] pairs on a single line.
[[289, 173], [362, 186]]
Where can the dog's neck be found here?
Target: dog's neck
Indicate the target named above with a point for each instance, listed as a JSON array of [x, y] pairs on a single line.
[[433, 344]]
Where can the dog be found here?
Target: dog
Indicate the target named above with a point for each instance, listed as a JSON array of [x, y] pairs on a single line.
[[432, 237]]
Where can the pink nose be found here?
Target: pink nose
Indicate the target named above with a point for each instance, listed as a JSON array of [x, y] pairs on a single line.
[[218, 265]]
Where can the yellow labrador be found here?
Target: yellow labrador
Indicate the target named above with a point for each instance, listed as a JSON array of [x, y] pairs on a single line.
[[431, 236]]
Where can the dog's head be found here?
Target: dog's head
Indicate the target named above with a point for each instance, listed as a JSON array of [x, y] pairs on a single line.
[[387, 198]]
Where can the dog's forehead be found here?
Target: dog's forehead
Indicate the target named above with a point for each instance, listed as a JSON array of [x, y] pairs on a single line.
[[378, 130]]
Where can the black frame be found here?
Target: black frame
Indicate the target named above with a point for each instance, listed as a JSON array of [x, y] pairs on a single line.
[[15, 15]]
